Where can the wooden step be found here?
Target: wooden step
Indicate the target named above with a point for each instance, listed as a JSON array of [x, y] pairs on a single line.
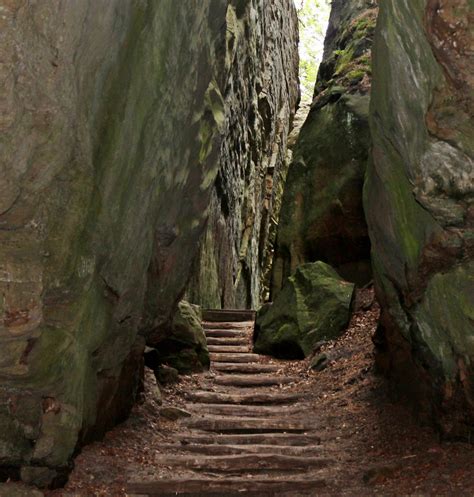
[[245, 368], [252, 398], [248, 463], [291, 439], [228, 341], [245, 325], [216, 449], [229, 348], [227, 486], [247, 411], [231, 357], [220, 424], [227, 333], [234, 315], [260, 380]]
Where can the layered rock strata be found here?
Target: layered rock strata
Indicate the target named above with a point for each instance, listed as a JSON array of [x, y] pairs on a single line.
[[261, 96]]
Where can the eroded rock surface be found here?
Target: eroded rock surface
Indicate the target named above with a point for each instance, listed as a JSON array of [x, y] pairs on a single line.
[[322, 215], [261, 95], [111, 131], [313, 305], [418, 200]]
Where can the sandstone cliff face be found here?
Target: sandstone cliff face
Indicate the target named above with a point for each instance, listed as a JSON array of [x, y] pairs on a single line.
[[112, 123], [261, 97], [418, 199], [322, 216]]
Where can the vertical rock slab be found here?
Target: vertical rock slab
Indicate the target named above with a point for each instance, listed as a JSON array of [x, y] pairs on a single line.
[[111, 123], [418, 199], [260, 95], [322, 216]]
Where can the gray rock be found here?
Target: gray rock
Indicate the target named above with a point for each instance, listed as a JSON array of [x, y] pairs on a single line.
[[174, 413], [166, 375]]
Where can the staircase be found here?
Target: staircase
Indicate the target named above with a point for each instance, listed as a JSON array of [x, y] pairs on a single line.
[[248, 434]]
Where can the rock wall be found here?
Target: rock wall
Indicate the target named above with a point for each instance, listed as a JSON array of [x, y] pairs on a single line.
[[261, 97], [322, 215], [112, 126], [419, 203]]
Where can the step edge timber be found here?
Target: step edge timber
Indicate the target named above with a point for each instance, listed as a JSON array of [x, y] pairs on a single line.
[[237, 315], [244, 485]]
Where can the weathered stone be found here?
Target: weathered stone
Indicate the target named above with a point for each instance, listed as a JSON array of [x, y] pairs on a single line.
[[183, 345], [18, 490], [174, 413], [313, 305], [322, 216], [112, 126], [166, 375], [41, 477], [319, 362], [419, 203], [261, 98]]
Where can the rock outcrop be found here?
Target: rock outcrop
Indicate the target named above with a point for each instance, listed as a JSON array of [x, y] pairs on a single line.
[[113, 124], [183, 345], [418, 199], [314, 305], [261, 96], [322, 215]]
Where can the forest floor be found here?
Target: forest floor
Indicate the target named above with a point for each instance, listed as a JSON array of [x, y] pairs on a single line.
[[375, 445]]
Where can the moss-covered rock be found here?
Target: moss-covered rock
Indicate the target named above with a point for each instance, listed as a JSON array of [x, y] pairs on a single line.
[[313, 305], [184, 346], [322, 216], [419, 203]]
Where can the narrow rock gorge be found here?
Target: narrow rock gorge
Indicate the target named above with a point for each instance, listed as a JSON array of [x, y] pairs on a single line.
[[146, 213], [129, 136]]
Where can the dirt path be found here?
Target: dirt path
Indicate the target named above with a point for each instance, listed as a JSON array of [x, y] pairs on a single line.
[[264, 427]]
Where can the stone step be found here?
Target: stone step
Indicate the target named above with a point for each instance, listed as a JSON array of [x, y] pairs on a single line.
[[229, 487], [248, 398], [245, 368], [290, 439], [229, 348], [257, 380], [248, 463], [227, 333], [233, 315], [240, 410], [216, 449], [220, 424], [231, 357], [228, 341]]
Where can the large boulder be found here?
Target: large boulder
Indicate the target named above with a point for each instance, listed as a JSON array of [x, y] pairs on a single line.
[[313, 305], [322, 216], [419, 202], [184, 346]]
